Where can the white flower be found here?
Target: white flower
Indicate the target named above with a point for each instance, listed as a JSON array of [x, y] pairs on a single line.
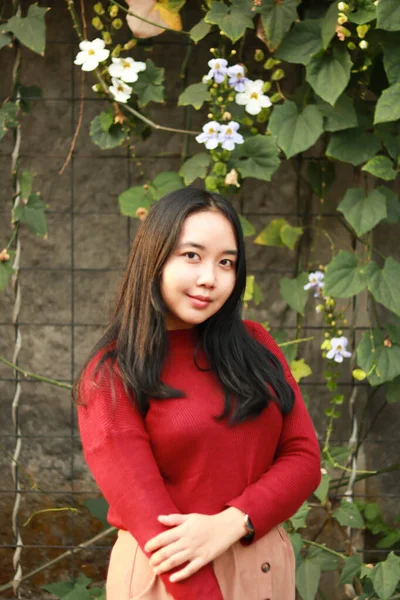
[[126, 69], [209, 135], [120, 90], [228, 136], [217, 70], [231, 178], [237, 79], [315, 282], [253, 97], [338, 350], [91, 54]]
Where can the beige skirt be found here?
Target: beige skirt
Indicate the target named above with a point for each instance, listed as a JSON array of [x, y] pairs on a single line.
[[264, 570]]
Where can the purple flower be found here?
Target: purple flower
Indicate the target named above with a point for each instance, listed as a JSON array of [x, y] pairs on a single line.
[[315, 282], [209, 135], [228, 136], [237, 79], [217, 70]]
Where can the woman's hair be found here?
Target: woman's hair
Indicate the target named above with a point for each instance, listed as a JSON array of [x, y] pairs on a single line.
[[138, 326]]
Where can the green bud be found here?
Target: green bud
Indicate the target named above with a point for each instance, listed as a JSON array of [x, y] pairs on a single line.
[[98, 8], [97, 24], [117, 23], [359, 374], [346, 32], [220, 169], [129, 45], [275, 98], [271, 63], [343, 6], [262, 116], [363, 44], [362, 31], [211, 183], [258, 55], [113, 11], [106, 37], [254, 130], [247, 122], [342, 19], [116, 52], [278, 75], [266, 87]]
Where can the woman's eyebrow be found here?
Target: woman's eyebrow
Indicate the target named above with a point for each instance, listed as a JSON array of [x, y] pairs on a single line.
[[201, 247]]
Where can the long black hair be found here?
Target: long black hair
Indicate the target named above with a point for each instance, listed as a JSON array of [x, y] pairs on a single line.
[[137, 331]]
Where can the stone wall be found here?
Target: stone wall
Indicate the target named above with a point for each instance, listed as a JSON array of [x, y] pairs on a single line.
[[68, 281]]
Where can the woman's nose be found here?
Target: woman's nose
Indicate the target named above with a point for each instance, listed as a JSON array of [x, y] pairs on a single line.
[[207, 276]]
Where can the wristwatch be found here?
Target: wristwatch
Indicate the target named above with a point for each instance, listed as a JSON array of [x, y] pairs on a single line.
[[249, 529]]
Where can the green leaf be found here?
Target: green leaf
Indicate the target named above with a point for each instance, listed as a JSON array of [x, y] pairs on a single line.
[[324, 559], [364, 13], [32, 214], [353, 146], [8, 117], [382, 167], [343, 277], [289, 351], [277, 18], [149, 86], [30, 30], [298, 520], [388, 105], [328, 24], [392, 205], [392, 389], [307, 579], [297, 543], [322, 490], [59, 589], [329, 73], [292, 290], [258, 157], [302, 42], [363, 212], [249, 290], [384, 285], [290, 235], [5, 40], [348, 515], [388, 15], [338, 117], [295, 131], [195, 95], [98, 508], [6, 270], [320, 175], [300, 369], [271, 234], [134, 198], [391, 57], [373, 351], [247, 227], [352, 566], [104, 133], [386, 575], [25, 184], [165, 182], [232, 20], [199, 31], [195, 167]]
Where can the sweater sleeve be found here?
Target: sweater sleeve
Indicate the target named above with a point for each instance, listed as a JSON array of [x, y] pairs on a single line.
[[118, 452], [296, 470]]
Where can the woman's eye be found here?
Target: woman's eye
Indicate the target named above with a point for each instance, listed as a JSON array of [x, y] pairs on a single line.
[[227, 262], [191, 255]]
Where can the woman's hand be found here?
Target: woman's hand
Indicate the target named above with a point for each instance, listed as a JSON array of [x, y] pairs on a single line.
[[194, 538]]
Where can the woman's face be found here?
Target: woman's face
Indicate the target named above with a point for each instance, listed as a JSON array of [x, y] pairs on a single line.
[[200, 274]]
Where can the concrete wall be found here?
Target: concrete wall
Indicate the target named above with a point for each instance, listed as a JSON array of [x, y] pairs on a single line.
[[68, 282]]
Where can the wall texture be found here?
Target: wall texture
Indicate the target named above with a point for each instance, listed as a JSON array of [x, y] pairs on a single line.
[[68, 281]]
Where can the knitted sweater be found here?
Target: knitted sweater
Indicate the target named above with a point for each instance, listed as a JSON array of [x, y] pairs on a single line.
[[178, 459]]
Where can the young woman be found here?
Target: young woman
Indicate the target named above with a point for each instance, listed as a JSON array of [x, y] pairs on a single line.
[[191, 422]]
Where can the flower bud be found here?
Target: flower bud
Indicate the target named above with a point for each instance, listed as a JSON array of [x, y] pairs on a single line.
[[98, 8], [129, 45], [278, 75], [141, 213], [275, 98], [342, 19], [319, 308], [4, 256], [233, 52], [262, 116], [362, 30], [363, 44], [106, 37], [266, 87], [226, 116], [351, 46], [247, 122], [97, 23], [117, 23], [359, 374], [254, 130], [116, 52], [271, 63], [258, 55], [113, 11], [342, 6], [220, 169], [211, 183], [232, 178], [210, 116], [97, 87]]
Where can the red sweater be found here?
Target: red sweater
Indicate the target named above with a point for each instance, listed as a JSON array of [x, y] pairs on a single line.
[[178, 459]]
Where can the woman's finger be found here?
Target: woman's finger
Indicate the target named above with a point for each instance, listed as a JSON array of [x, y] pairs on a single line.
[[160, 540], [174, 561], [187, 571]]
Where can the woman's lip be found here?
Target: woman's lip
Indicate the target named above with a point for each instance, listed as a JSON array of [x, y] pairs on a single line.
[[198, 303], [201, 298]]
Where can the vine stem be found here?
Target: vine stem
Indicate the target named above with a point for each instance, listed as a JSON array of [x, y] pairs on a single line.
[[66, 386], [298, 341], [322, 547], [70, 552], [132, 14]]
